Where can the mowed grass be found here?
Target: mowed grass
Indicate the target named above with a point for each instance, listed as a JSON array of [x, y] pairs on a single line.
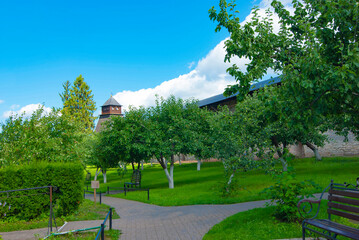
[[87, 211], [204, 186], [260, 224], [109, 234]]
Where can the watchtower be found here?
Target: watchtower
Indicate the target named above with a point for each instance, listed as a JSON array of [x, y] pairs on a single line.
[[110, 108]]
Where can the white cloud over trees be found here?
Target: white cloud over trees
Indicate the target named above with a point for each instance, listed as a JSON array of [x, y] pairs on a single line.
[[26, 110], [207, 79]]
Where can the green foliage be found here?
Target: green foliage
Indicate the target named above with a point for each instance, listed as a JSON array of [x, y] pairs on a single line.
[[253, 224], [121, 172], [40, 137], [125, 139], [316, 51], [68, 177], [286, 193], [240, 139], [86, 211], [112, 234], [202, 187], [259, 224], [78, 103], [171, 127]]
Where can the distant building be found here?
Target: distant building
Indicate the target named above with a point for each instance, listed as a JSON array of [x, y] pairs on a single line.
[[212, 103], [110, 108], [335, 147]]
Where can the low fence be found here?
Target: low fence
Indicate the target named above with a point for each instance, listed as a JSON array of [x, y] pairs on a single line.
[[101, 231], [125, 190], [18, 194], [116, 190], [92, 192]]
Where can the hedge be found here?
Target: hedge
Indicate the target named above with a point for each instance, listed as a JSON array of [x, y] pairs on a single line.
[[68, 177]]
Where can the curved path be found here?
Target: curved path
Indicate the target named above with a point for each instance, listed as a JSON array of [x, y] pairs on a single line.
[[140, 221]]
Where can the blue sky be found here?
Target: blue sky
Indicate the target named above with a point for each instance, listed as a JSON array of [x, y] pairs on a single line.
[[129, 49]]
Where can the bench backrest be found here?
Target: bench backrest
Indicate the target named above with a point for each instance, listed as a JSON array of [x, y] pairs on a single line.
[[136, 176], [343, 201]]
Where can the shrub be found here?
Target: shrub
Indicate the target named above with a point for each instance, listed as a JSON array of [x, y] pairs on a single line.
[[285, 194], [67, 177]]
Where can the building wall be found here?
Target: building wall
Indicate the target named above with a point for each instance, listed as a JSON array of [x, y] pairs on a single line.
[[336, 146]]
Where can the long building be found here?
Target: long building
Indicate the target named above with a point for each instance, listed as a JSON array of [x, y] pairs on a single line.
[[335, 147]]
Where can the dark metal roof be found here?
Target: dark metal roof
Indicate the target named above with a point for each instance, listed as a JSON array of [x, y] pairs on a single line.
[[254, 86], [111, 102]]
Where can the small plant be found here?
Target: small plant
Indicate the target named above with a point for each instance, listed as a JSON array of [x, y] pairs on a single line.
[[121, 171], [285, 194]]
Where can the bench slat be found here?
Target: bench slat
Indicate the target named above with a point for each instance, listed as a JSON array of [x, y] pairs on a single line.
[[334, 227], [344, 200], [344, 207], [351, 194], [343, 214]]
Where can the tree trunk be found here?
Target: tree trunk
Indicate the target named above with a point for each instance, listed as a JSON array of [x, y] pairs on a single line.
[[151, 163], [315, 150], [172, 166], [162, 161], [138, 166], [133, 166], [198, 164], [179, 159], [230, 181], [280, 154], [169, 178], [96, 174], [104, 176], [142, 165], [284, 164]]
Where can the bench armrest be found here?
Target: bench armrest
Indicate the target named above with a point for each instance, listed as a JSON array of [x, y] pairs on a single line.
[[308, 208]]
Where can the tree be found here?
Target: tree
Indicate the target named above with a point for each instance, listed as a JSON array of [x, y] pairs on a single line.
[[234, 146], [78, 103], [123, 139], [41, 137], [202, 134], [260, 114], [171, 132], [315, 50], [130, 136]]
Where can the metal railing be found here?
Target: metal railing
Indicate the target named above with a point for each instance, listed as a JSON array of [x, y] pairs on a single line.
[[97, 193], [125, 190], [101, 231]]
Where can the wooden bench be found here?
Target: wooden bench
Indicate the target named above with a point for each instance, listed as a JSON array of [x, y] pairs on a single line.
[[343, 201], [135, 180]]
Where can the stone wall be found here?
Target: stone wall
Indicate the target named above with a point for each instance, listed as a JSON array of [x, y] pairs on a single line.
[[335, 147]]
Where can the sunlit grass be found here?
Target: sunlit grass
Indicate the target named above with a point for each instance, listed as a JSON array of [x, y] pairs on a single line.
[[260, 224], [204, 187], [87, 211]]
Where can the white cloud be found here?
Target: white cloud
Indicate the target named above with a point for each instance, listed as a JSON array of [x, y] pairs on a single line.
[[1, 101], [26, 110], [14, 106], [207, 79], [191, 64]]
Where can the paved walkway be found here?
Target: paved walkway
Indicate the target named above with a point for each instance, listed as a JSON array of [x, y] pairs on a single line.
[[140, 221]]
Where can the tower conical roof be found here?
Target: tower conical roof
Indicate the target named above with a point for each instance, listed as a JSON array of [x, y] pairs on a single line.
[[111, 102]]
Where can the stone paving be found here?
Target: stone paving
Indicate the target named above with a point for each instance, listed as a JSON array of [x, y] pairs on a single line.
[[140, 221]]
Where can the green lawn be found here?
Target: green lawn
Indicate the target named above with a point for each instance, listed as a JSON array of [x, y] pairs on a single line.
[[109, 234], [260, 225], [87, 211], [203, 187]]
